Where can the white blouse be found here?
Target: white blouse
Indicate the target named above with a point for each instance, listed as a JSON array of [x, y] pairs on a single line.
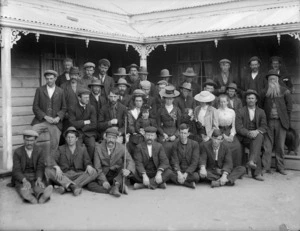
[[135, 113], [226, 117], [201, 114]]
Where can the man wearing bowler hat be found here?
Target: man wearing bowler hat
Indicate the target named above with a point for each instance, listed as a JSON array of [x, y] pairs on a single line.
[[216, 162], [124, 88], [189, 76], [28, 170], [83, 117], [185, 100], [152, 164], [67, 63], [224, 77], [71, 166], [121, 74], [89, 69], [109, 162], [254, 79], [277, 103], [235, 102], [165, 75], [107, 81], [49, 108], [251, 125]]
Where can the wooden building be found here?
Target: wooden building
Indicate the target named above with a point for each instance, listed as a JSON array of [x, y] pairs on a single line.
[[38, 35]]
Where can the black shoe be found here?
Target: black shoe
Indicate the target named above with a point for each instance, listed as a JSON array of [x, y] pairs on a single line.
[[114, 191], [162, 186], [259, 178], [137, 186], [215, 183], [251, 165], [282, 171], [190, 184], [75, 189]]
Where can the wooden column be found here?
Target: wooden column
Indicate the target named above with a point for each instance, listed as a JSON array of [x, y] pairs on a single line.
[[144, 51], [6, 34]]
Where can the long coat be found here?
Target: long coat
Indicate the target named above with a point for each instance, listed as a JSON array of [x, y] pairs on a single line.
[[103, 161], [182, 103], [63, 157], [210, 119], [168, 122], [77, 116], [218, 79], [102, 101], [19, 163], [242, 119], [207, 157], [42, 103], [141, 157], [191, 154], [71, 96]]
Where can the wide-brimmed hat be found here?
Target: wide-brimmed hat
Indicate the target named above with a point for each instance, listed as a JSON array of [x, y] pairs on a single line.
[[122, 81], [89, 64], [169, 92], [254, 58], [232, 85], [143, 71], [96, 82], [204, 97], [187, 86], [50, 72], [210, 82], [164, 73], [250, 92], [225, 61], [189, 72], [272, 72], [121, 72], [74, 70], [71, 129]]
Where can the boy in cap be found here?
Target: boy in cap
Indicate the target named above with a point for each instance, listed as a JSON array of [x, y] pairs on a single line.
[[224, 77], [152, 164], [49, 108], [107, 81], [67, 63], [216, 162], [185, 158], [84, 118], [71, 166], [28, 170], [109, 162]]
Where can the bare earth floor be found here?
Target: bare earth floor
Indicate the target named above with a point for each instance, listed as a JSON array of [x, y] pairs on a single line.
[[250, 205]]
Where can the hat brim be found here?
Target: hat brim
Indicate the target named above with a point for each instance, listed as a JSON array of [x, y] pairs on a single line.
[[251, 93], [189, 74], [74, 131], [211, 84], [231, 88], [208, 99], [126, 84], [267, 76], [91, 84], [143, 73], [118, 74], [165, 76], [181, 87], [176, 93]]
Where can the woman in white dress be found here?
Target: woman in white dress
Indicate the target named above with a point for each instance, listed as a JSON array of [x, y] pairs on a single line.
[[226, 121]]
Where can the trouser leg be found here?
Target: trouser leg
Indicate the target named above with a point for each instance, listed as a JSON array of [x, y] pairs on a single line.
[[280, 135], [51, 175], [96, 187], [212, 176], [236, 173], [81, 178], [255, 153], [267, 155], [90, 145]]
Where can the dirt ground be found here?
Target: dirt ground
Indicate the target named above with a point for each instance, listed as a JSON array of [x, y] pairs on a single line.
[[249, 205]]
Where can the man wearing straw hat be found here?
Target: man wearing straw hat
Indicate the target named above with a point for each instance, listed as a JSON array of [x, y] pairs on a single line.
[[109, 160], [89, 69], [165, 75], [251, 125], [124, 88], [189, 75], [185, 100]]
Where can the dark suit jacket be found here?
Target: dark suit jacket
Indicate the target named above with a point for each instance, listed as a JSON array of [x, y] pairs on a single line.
[[237, 104], [77, 115], [207, 157], [61, 79], [97, 104], [126, 100], [62, 158], [41, 100], [71, 96], [260, 83], [191, 154], [106, 115], [109, 84], [141, 157], [103, 162], [283, 103], [182, 103], [219, 81], [241, 121], [19, 163]]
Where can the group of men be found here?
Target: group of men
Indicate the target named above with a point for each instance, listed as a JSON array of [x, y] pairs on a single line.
[[88, 117]]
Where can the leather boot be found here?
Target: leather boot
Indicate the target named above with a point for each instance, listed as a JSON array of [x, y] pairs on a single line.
[[75, 189], [26, 194], [190, 184], [251, 164], [162, 186], [215, 183], [46, 194], [153, 185], [137, 186], [114, 191]]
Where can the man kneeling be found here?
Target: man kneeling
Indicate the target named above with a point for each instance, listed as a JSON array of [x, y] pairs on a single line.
[[109, 161], [152, 164], [216, 162], [71, 166]]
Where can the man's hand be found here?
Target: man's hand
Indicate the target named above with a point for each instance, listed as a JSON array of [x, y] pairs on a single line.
[[120, 139], [39, 183], [142, 131], [205, 137], [106, 185], [58, 173], [166, 137], [146, 180], [223, 179], [49, 119], [26, 184], [180, 177], [87, 122], [158, 178], [114, 121], [56, 120], [125, 172], [203, 172], [228, 138], [90, 170], [172, 138]]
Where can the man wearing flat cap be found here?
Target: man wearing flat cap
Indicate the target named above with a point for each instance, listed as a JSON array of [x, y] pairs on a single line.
[[89, 69], [28, 170], [235, 102], [224, 77], [152, 164], [67, 63], [109, 161], [107, 81], [185, 158], [251, 125], [71, 167], [216, 162], [84, 118], [124, 88], [49, 108], [254, 79], [191, 77], [277, 103], [185, 100], [285, 79]]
